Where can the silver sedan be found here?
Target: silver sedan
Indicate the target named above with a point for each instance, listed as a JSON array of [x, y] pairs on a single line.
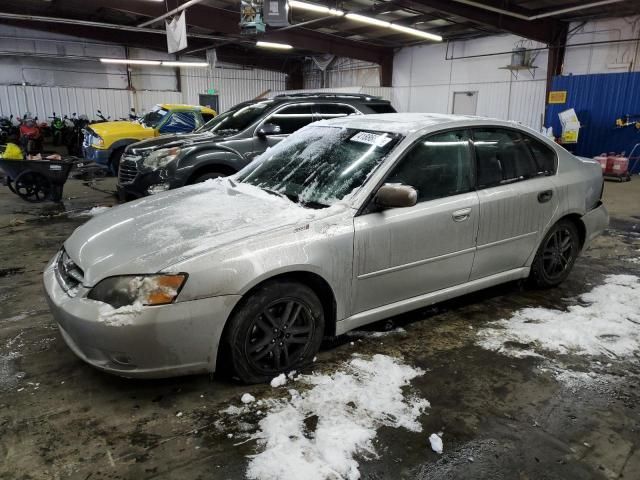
[[345, 223]]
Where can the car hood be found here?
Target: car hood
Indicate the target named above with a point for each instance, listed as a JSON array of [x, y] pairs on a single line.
[[168, 141], [120, 128], [154, 233]]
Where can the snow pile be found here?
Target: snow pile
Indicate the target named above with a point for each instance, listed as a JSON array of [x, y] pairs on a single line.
[[317, 433], [607, 324], [436, 442], [247, 398], [279, 381], [92, 212]]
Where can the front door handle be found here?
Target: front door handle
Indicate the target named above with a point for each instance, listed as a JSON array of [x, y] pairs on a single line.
[[544, 197], [461, 215]]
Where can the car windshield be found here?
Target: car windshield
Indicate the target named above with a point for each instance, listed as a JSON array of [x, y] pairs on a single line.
[[154, 117], [318, 166], [236, 119]]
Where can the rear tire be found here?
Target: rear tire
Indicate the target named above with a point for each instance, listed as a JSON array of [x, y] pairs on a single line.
[[556, 255], [278, 328]]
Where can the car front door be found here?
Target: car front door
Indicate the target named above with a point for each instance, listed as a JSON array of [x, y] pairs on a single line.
[[407, 252], [517, 200]]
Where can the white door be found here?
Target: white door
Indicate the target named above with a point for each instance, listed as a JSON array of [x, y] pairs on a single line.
[[465, 103]]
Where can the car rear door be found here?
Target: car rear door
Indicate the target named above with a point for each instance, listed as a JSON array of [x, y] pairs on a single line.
[[289, 118], [406, 252], [517, 200]]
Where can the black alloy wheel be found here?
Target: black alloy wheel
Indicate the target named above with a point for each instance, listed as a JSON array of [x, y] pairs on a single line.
[[275, 329], [556, 255]]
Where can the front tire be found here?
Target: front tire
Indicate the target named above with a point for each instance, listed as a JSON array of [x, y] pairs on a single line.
[[556, 255], [278, 328]]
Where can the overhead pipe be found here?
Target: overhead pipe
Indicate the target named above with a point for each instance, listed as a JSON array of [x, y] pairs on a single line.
[[561, 11], [539, 49], [112, 26], [182, 7]]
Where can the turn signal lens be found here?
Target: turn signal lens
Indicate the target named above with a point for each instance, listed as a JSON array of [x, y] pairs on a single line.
[[160, 290]]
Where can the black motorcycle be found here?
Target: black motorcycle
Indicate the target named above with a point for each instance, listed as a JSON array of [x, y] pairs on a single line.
[[75, 136], [7, 129]]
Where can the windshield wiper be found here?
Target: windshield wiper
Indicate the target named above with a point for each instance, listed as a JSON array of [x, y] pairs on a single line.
[[312, 204], [277, 194]]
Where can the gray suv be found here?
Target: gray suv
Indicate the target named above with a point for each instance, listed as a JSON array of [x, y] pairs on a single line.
[[231, 140]]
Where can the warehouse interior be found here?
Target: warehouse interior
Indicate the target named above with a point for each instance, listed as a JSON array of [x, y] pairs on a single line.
[[80, 83]]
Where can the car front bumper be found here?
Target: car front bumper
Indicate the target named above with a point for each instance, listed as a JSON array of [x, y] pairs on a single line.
[[177, 339], [595, 222], [97, 155]]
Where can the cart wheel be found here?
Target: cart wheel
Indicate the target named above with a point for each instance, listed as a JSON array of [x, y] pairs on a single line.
[[10, 185], [32, 186]]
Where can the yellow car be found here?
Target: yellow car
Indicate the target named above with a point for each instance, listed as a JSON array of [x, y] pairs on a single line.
[[104, 142]]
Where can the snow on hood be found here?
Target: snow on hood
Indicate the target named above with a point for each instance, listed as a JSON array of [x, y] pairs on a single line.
[[151, 234]]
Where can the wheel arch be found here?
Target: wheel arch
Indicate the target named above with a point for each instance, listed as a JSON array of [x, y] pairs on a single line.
[[576, 219], [208, 168]]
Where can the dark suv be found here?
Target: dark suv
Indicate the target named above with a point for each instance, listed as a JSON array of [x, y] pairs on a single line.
[[230, 141]]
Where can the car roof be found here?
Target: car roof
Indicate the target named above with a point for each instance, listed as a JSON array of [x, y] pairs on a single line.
[[404, 123], [183, 107]]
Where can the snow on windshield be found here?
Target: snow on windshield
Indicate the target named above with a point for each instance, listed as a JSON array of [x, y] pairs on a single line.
[[320, 165]]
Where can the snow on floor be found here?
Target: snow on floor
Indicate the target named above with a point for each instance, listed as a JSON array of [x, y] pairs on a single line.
[[607, 323], [316, 434]]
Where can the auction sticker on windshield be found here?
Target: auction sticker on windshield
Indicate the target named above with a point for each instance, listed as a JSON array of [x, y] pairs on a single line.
[[377, 139]]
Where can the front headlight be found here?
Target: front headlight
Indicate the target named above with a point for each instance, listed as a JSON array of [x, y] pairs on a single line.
[[160, 158], [146, 290], [97, 141]]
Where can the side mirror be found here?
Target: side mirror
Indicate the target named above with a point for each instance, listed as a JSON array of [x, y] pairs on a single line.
[[268, 129], [396, 196]]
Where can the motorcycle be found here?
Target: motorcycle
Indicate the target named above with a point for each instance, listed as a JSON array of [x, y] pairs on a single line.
[[101, 117], [75, 135], [6, 129], [57, 129], [30, 135]]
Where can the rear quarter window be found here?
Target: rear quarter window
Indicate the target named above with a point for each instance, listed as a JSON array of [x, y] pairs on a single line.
[[381, 107], [544, 156]]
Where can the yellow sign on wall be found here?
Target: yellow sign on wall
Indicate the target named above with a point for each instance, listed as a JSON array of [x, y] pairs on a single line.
[[559, 96]]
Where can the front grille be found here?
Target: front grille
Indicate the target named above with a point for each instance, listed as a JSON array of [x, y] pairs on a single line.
[[88, 138], [128, 170], [68, 273]]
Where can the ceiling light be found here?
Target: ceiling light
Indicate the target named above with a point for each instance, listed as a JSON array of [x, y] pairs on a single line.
[[282, 46], [185, 64], [416, 32], [369, 20], [312, 7], [127, 61]]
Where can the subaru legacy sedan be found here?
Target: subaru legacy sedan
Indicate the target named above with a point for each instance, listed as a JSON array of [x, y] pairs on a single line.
[[344, 223]]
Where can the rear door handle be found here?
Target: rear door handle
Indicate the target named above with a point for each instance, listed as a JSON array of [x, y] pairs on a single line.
[[544, 197], [461, 215]]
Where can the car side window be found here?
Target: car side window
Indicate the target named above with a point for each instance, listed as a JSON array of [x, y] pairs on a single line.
[[544, 156], [501, 157], [332, 110], [292, 118], [437, 166], [180, 122]]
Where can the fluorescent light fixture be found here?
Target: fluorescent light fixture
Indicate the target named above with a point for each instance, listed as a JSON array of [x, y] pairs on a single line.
[[369, 20], [312, 7], [416, 32], [394, 26], [185, 64], [128, 61], [282, 46]]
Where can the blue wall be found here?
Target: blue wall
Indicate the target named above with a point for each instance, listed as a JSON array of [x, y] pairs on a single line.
[[598, 100]]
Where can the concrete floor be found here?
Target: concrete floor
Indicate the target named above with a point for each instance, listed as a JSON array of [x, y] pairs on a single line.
[[60, 418]]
